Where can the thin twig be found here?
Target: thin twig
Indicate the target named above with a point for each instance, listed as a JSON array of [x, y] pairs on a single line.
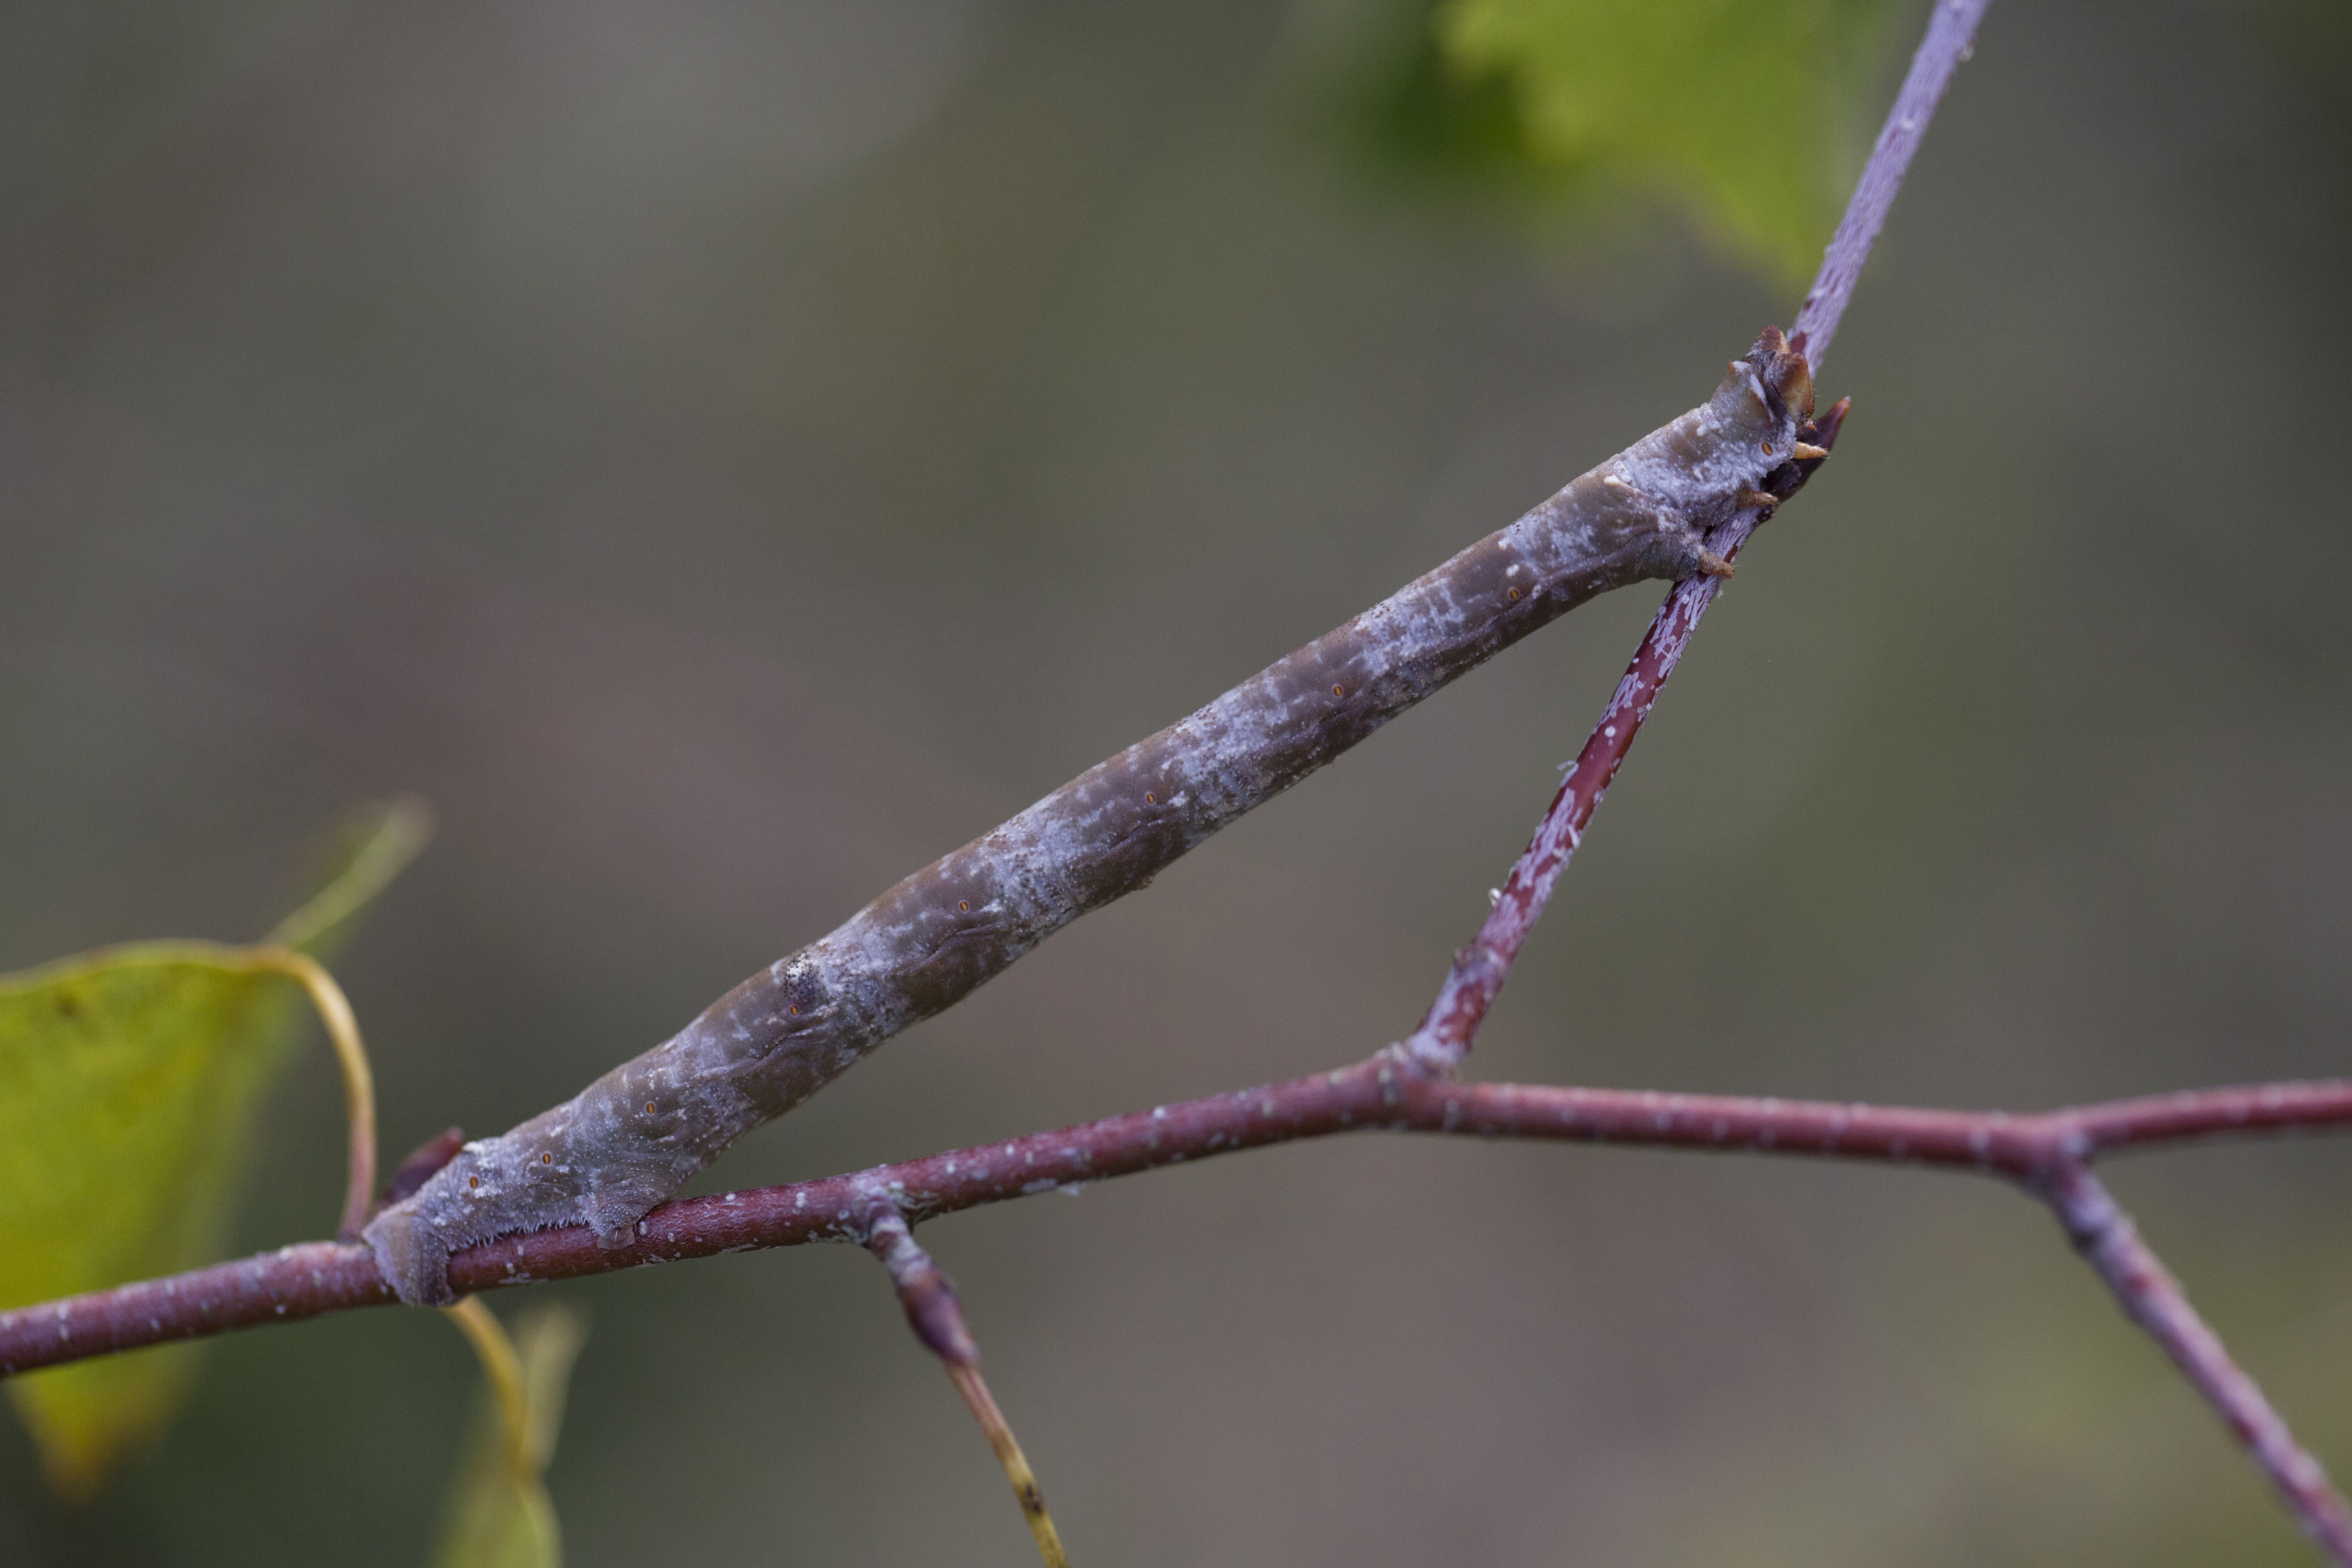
[[313, 1278], [1479, 970], [1951, 38], [928, 1298], [2153, 1299]]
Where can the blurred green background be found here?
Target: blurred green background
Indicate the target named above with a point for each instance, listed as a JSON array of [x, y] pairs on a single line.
[[725, 454]]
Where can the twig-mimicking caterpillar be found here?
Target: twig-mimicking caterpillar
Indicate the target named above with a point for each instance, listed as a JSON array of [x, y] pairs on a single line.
[[632, 1139]]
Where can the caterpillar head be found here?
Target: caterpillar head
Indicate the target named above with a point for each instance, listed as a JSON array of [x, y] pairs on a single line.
[[1784, 380], [1760, 406]]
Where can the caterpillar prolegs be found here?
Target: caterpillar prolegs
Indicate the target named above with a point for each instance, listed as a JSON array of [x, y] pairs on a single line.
[[629, 1140]]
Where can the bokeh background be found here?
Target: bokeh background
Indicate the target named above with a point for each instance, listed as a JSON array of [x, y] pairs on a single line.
[[724, 455]]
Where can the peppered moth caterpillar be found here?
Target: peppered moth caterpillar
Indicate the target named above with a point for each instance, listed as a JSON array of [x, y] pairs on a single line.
[[635, 1136]]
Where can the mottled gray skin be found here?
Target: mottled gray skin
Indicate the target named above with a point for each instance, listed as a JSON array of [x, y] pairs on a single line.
[[634, 1137]]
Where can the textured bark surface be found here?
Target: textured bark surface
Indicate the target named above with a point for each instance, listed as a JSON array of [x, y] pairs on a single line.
[[637, 1135]]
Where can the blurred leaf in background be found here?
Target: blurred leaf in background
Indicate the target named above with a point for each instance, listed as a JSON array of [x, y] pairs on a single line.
[[499, 1515], [1746, 114], [130, 1079]]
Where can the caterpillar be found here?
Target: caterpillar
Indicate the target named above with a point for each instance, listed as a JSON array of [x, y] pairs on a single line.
[[632, 1138]]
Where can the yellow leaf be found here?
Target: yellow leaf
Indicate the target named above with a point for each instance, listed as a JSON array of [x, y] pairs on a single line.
[[499, 1515], [130, 1079]]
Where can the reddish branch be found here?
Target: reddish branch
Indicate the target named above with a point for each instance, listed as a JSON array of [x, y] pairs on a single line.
[[1479, 970], [2110, 1243], [318, 1278], [2048, 1152]]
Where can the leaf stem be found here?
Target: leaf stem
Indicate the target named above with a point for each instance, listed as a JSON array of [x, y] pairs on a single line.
[[404, 829], [359, 1082], [495, 1350]]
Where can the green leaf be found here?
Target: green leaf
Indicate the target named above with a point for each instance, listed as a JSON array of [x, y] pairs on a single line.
[[499, 1515], [130, 1079], [1741, 111]]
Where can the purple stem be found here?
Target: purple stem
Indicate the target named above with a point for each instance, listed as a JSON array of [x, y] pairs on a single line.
[[2153, 1299], [1479, 970], [925, 1292], [1951, 38], [317, 1277]]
